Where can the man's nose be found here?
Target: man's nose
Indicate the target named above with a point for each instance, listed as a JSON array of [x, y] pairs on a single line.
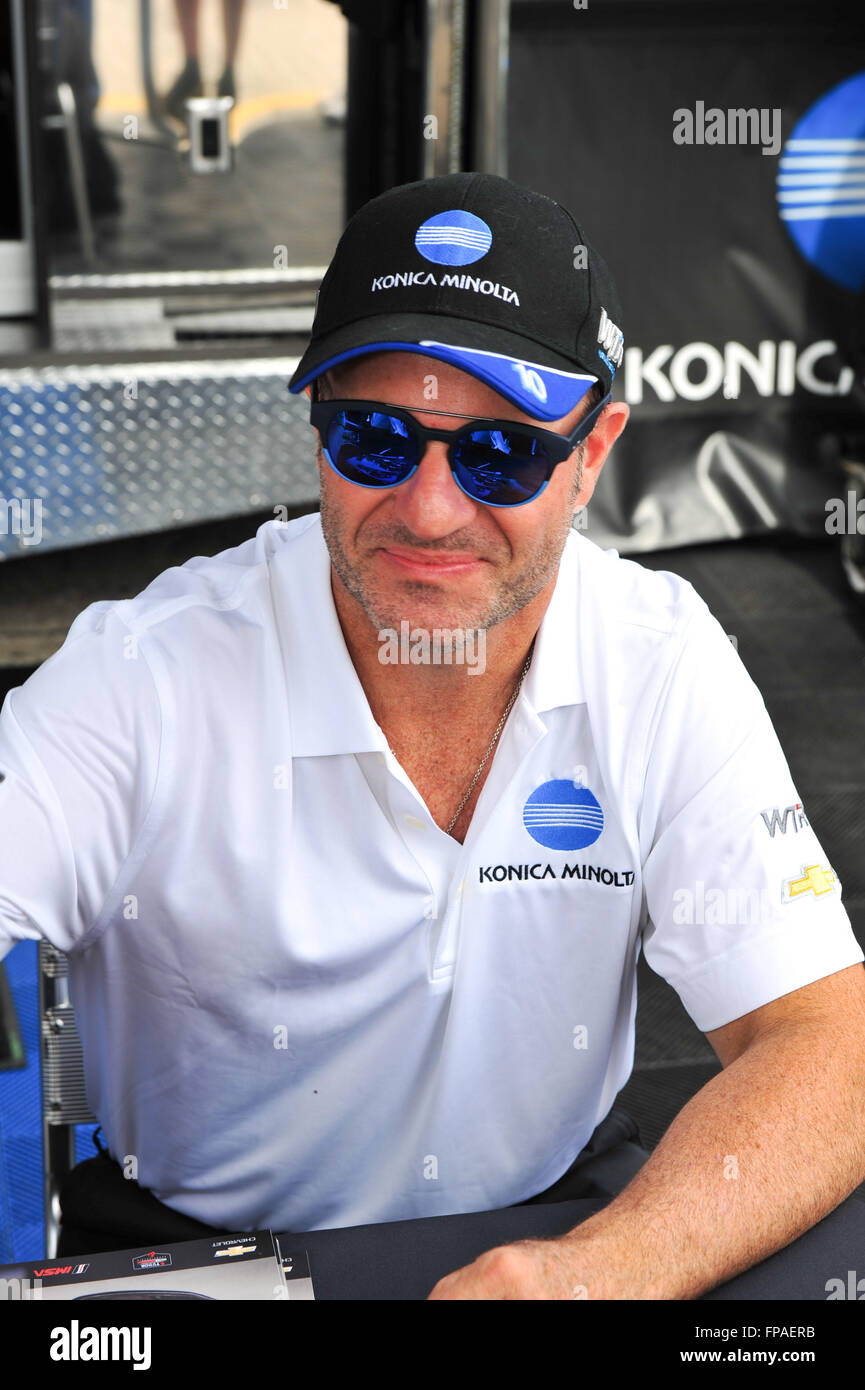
[[430, 503]]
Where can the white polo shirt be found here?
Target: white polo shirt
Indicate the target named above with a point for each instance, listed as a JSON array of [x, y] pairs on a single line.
[[302, 1005]]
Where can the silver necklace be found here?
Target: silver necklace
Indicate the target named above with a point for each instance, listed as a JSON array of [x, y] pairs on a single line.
[[501, 724]]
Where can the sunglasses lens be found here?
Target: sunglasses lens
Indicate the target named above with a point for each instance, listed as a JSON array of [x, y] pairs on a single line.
[[501, 467], [370, 447]]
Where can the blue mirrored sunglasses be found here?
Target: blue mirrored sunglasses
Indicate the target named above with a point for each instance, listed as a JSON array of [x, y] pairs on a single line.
[[501, 463]]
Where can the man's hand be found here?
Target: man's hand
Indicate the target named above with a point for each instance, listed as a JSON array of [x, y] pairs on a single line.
[[527, 1269]]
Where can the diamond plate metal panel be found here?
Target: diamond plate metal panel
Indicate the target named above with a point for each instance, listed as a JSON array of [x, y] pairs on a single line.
[[64, 1099], [63, 1069], [98, 326], [99, 452]]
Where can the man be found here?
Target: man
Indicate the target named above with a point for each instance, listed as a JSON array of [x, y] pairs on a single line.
[[353, 927]]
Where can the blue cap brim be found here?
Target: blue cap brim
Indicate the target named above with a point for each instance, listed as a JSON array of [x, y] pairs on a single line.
[[544, 393]]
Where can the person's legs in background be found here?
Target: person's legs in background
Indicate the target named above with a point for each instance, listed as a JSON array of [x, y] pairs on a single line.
[[232, 11], [188, 84]]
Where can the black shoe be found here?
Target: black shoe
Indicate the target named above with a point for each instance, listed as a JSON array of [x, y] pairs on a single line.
[[187, 85], [226, 86]]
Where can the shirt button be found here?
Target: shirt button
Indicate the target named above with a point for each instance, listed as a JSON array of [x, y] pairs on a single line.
[[415, 822]]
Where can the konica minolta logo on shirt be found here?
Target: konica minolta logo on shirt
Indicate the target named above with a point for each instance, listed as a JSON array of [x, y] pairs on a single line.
[[588, 873], [563, 814], [452, 238]]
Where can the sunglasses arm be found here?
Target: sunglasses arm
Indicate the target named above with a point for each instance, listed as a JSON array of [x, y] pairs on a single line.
[[585, 426]]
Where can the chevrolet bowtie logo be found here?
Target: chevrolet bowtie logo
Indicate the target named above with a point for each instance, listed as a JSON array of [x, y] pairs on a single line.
[[816, 880]]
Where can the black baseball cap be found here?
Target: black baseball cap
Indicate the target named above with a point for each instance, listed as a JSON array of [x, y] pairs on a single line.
[[475, 270]]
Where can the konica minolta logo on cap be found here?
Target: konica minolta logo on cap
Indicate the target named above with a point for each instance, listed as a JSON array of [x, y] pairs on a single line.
[[563, 815], [821, 184], [453, 238]]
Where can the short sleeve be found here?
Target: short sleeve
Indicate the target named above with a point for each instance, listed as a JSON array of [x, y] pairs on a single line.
[[79, 751], [742, 903]]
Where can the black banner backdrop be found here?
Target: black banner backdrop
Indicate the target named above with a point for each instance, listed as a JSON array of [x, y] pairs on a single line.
[[715, 155]]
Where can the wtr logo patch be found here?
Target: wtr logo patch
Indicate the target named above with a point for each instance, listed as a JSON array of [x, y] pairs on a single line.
[[612, 341], [453, 238], [562, 815]]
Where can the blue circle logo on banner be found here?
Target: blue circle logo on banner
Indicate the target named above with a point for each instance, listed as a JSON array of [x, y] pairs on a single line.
[[563, 815], [821, 184], [453, 238]]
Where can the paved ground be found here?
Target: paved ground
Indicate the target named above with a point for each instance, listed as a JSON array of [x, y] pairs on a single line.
[[285, 191]]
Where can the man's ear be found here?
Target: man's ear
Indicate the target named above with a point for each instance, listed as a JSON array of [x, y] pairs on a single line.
[[610, 424], [597, 446]]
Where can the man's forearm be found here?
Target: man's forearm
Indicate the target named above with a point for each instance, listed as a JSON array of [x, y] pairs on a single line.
[[763, 1152]]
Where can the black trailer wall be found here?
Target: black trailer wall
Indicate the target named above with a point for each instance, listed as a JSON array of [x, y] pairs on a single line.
[[743, 324]]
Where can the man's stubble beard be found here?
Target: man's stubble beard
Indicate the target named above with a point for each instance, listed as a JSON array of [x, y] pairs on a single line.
[[509, 599]]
